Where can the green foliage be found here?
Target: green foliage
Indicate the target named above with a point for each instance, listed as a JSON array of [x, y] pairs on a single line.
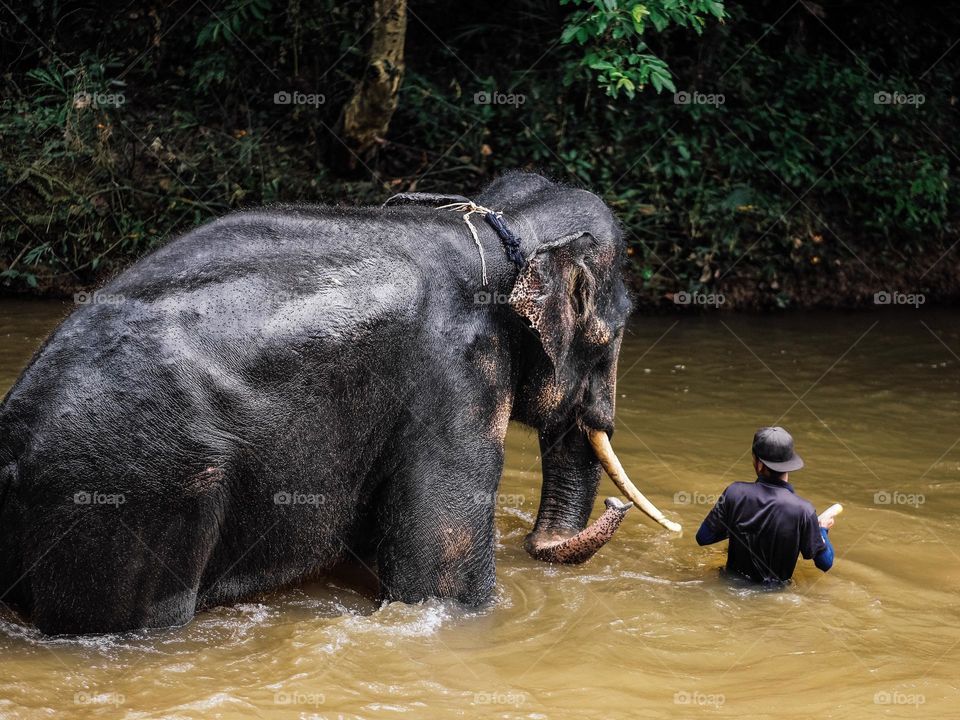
[[232, 21], [612, 34], [773, 175], [794, 185]]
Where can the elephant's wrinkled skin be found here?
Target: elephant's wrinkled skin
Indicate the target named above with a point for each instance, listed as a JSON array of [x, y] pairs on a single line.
[[283, 390]]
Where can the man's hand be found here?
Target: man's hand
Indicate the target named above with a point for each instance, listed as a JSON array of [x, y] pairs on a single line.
[[828, 516]]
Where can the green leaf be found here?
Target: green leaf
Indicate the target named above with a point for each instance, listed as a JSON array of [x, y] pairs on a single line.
[[600, 64], [662, 76], [659, 21], [568, 34]]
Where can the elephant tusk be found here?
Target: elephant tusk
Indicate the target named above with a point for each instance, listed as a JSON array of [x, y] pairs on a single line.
[[611, 464]]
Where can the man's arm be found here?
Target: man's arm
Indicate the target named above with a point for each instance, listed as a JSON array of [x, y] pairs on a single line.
[[714, 527], [706, 535], [824, 558], [816, 543]]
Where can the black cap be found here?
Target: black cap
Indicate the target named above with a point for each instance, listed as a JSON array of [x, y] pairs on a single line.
[[773, 446]]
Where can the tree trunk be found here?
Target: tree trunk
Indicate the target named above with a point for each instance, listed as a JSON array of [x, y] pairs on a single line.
[[366, 117]]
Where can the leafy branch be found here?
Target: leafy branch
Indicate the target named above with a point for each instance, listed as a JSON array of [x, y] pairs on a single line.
[[612, 35]]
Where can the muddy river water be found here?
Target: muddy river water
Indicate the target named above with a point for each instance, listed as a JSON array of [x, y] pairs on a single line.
[[647, 628]]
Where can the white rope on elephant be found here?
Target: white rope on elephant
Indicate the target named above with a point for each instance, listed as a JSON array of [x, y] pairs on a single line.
[[469, 208]]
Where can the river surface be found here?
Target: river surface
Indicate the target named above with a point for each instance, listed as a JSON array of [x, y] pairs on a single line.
[[648, 628]]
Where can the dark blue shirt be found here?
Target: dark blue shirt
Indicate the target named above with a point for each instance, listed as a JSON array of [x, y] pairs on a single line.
[[768, 526]]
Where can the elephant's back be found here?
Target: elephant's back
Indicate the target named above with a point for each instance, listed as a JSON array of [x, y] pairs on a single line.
[[286, 247], [226, 324]]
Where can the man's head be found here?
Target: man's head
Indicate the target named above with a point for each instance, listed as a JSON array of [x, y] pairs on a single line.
[[773, 453]]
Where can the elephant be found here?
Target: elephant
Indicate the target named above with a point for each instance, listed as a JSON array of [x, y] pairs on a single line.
[[284, 390]]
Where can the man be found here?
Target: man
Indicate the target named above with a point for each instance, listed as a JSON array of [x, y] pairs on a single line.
[[767, 523]]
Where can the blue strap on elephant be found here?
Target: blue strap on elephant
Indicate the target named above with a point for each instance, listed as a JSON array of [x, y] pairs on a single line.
[[510, 240], [511, 243]]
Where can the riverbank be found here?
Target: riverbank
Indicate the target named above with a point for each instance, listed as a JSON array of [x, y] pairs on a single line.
[[790, 169]]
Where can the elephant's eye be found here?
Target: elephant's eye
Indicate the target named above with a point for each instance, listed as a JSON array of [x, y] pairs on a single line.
[[616, 334], [600, 334]]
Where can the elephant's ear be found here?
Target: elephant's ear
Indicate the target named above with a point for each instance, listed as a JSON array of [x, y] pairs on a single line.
[[554, 292]]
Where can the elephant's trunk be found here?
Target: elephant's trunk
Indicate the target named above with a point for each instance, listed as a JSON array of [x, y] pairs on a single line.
[[571, 475], [573, 549]]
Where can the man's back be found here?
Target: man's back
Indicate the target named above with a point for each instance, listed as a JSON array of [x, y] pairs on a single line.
[[768, 526]]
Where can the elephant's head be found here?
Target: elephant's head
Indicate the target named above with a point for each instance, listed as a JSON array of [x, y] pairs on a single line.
[[569, 307]]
